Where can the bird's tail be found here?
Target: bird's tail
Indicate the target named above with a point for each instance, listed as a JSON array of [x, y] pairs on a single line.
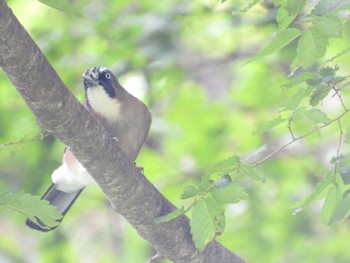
[[63, 202]]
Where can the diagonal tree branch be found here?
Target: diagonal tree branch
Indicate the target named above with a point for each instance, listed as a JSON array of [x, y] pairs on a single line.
[[58, 112]]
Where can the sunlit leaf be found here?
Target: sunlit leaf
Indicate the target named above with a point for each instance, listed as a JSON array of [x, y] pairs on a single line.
[[284, 18], [226, 166], [317, 194], [294, 7], [281, 40], [63, 5], [207, 220], [252, 172], [315, 115], [299, 79], [249, 6], [233, 193], [190, 191], [293, 102], [269, 125], [329, 26], [31, 207], [311, 46], [341, 211], [333, 197]]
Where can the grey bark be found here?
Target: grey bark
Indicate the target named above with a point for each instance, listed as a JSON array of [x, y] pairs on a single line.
[[58, 112]]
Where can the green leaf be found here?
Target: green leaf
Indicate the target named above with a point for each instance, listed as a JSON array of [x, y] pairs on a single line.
[[311, 46], [233, 193], [314, 115], [251, 4], [278, 2], [295, 100], [170, 216], [205, 183], [269, 125], [317, 194], [207, 221], [284, 18], [252, 172], [329, 26], [281, 40], [294, 7], [319, 94], [299, 79], [334, 196], [341, 211], [190, 191], [344, 172], [226, 166], [63, 5], [329, 6], [31, 207]]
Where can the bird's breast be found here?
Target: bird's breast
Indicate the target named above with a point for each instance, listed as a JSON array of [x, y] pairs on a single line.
[[102, 104]]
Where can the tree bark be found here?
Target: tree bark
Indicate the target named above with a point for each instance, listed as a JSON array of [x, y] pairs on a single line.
[[58, 112]]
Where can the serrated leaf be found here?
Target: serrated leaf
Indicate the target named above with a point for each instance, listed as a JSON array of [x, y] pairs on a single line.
[[314, 115], [311, 46], [64, 6], [233, 193], [319, 94], [226, 166], [252, 172], [31, 207], [299, 79], [190, 191], [284, 18], [269, 125], [320, 188], [329, 26], [281, 40], [170, 216], [207, 219], [328, 73], [333, 197]]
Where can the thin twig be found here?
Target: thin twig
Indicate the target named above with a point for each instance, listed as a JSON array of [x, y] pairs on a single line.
[[300, 137], [289, 126], [38, 138], [339, 146]]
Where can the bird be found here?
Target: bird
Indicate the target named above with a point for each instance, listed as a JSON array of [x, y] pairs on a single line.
[[126, 119]]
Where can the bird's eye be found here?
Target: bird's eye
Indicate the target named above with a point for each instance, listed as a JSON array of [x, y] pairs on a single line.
[[108, 76]]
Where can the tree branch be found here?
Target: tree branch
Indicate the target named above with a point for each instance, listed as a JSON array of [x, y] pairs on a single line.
[[59, 113]]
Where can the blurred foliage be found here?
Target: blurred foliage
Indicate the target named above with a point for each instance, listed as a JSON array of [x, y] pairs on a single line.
[[185, 60]]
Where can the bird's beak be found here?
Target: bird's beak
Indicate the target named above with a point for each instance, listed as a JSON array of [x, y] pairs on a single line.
[[91, 77]]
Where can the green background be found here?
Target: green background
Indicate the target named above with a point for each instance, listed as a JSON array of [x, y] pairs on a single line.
[[185, 60]]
